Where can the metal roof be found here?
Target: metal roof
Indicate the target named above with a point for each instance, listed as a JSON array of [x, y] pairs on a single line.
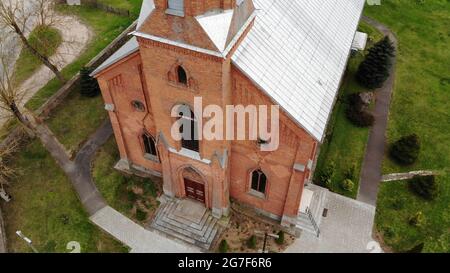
[[297, 52], [126, 50]]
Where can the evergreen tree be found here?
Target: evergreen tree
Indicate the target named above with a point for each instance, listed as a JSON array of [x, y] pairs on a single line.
[[374, 70], [88, 85]]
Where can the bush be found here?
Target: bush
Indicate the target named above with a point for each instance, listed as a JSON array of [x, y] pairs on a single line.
[[223, 247], [417, 219], [280, 239], [360, 118], [132, 197], [251, 242], [398, 204], [425, 186], [141, 215], [350, 172], [347, 185], [356, 114], [374, 70], [406, 150], [88, 86], [326, 174]]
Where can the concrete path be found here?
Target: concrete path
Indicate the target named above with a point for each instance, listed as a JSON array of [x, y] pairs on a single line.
[[106, 218], [372, 166], [346, 229], [136, 237]]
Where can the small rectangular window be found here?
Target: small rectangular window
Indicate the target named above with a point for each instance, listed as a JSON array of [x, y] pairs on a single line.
[[176, 7]]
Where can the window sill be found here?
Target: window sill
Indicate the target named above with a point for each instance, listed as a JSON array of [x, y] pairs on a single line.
[[257, 194], [151, 157], [174, 12]]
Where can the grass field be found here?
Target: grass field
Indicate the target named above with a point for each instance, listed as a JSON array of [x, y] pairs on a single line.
[[46, 40], [134, 6], [122, 192], [46, 208], [420, 105], [345, 143], [76, 119]]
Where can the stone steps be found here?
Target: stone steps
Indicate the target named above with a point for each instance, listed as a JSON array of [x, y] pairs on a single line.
[[200, 232], [316, 207]]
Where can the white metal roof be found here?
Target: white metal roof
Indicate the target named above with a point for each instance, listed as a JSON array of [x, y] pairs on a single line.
[[297, 51], [217, 26], [127, 49]]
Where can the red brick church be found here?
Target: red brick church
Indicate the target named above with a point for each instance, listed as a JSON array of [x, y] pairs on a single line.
[[230, 52]]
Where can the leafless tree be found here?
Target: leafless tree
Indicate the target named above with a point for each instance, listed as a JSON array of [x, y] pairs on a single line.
[[11, 94], [7, 173], [15, 16]]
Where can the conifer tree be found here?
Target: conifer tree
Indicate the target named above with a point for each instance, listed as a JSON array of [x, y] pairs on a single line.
[[374, 70], [88, 86]]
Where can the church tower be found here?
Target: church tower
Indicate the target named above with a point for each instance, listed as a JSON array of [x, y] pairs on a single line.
[[186, 48]]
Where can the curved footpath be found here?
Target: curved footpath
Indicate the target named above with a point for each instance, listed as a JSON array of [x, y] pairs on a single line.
[[371, 173], [117, 225]]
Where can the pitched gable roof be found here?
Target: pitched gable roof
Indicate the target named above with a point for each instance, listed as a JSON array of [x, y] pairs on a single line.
[[297, 51]]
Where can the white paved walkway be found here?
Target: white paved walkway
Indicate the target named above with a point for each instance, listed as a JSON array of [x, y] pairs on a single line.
[[136, 237], [346, 229]]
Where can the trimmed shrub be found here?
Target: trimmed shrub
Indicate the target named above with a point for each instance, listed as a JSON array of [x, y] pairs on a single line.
[[417, 219], [375, 68], [251, 242], [88, 85], [141, 215], [280, 239], [406, 150], [347, 185], [424, 186], [223, 247], [356, 114], [359, 118]]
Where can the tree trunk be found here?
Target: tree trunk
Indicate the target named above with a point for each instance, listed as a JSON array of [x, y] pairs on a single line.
[[22, 119], [41, 57]]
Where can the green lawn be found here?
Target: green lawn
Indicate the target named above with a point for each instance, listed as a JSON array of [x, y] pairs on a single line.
[[420, 105], [46, 208], [345, 143], [393, 223], [117, 188], [422, 91], [43, 38], [134, 6], [74, 120]]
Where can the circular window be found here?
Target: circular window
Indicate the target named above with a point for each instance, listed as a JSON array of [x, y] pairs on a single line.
[[138, 105]]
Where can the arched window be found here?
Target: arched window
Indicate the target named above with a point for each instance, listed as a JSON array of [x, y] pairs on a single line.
[[259, 181], [189, 135], [182, 76], [149, 145]]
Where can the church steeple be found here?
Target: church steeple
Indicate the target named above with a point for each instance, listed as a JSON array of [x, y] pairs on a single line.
[[206, 24]]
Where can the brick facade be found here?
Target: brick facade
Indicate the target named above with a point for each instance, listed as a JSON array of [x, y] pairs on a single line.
[[223, 167]]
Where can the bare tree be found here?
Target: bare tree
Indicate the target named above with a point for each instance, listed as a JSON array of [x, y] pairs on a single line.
[[11, 94], [15, 15], [6, 171]]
